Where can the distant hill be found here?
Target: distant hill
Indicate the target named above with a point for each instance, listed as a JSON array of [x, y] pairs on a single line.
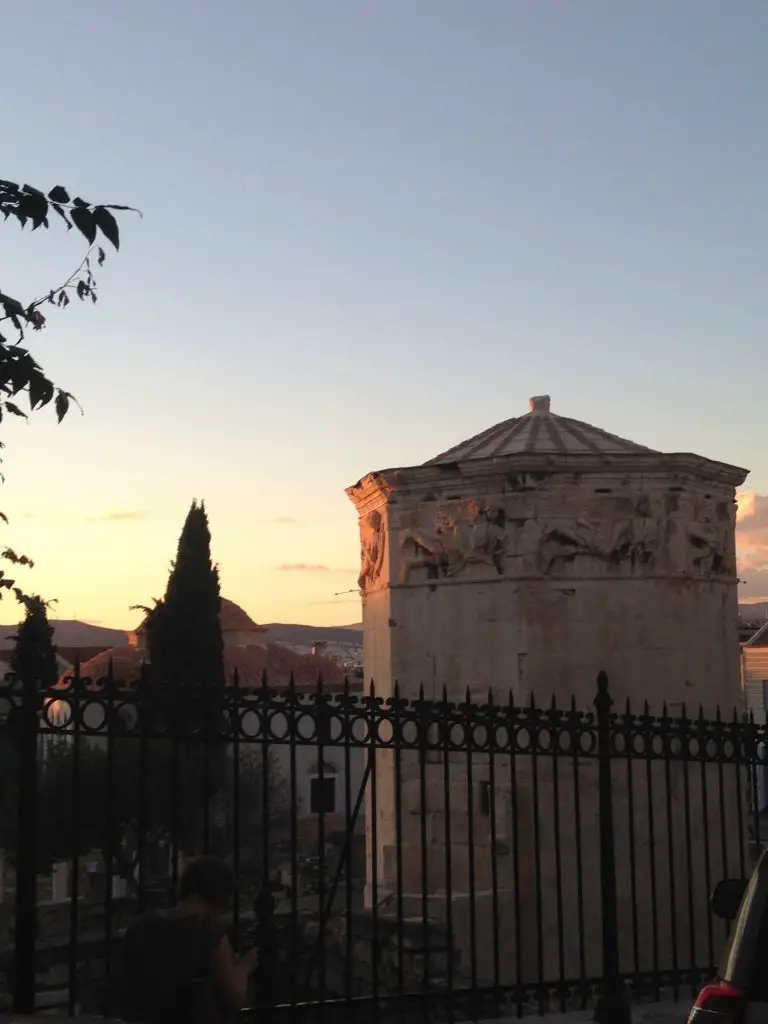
[[71, 633], [756, 612], [288, 633]]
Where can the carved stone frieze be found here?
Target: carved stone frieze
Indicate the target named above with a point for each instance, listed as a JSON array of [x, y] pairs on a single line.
[[617, 534], [709, 536], [475, 535], [373, 539]]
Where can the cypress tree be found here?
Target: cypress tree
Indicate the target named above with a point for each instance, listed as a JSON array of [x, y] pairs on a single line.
[[34, 654], [186, 662], [183, 630]]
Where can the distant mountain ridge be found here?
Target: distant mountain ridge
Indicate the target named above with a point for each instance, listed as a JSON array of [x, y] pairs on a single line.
[[306, 636], [756, 612], [73, 633]]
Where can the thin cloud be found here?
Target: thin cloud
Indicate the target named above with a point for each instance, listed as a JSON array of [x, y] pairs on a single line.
[[125, 515], [302, 567], [309, 567]]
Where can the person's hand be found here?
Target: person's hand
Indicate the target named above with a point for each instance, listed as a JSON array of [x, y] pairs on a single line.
[[250, 960]]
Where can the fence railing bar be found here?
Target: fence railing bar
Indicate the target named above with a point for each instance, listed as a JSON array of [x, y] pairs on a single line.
[[537, 858], [628, 720], [468, 722], [705, 826], [495, 929], [690, 871], [447, 840], [669, 739], [613, 1004]]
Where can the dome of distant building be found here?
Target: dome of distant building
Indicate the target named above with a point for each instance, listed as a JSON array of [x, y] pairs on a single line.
[[540, 432], [236, 626]]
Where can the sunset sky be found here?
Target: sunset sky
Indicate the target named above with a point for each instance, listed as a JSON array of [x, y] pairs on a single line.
[[373, 228]]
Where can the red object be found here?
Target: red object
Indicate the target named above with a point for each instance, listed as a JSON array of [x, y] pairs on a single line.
[[718, 1003]]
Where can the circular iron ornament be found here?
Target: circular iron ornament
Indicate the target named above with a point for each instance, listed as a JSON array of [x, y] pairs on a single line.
[[587, 743], [543, 741], [93, 716], [250, 724], [456, 736], [728, 749], [386, 732], [305, 728], [501, 739], [619, 743], [409, 735], [522, 741], [480, 738], [675, 747], [280, 726], [565, 742], [711, 748], [358, 731]]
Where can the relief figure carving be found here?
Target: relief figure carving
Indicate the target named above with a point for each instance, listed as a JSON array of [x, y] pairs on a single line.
[[434, 550], [487, 541], [639, 541], [456, 542], [372, 544], [563, 542], [709, 538]]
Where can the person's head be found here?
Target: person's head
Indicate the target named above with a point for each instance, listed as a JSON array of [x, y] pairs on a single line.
[[209, 882]]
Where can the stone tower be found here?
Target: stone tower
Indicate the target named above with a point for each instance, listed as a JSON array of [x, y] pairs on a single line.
[[526, 560], [543, 550]]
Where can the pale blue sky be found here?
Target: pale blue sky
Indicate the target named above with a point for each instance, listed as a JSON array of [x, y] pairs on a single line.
[[372, 228]]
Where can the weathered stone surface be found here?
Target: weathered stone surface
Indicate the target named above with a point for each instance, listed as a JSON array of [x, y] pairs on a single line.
[[522, 574]]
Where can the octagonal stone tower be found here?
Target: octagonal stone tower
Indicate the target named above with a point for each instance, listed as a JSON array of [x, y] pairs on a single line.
[[527, 559], [543, 550]]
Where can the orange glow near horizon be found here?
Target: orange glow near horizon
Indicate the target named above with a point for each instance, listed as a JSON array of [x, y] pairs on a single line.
[[745, 505]]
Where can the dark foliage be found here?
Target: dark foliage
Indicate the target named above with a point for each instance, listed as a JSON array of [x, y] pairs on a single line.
[[186, 666], [183, 630], [34, 654], [27, 205], [20, 374]]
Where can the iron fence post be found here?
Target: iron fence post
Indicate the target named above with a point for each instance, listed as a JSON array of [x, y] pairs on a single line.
[[612, 1005], [265, 938], [25, 916]]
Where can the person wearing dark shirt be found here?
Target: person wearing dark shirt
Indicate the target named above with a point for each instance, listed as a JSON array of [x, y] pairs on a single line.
[[178, 964]]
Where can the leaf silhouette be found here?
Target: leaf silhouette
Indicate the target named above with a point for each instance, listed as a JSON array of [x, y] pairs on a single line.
[[84, 221], [107, 224]]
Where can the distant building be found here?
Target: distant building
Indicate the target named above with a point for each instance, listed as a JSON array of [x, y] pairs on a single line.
[[754, 673]]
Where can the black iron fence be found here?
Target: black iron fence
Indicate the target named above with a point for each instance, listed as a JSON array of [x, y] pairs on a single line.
[[394, 858]]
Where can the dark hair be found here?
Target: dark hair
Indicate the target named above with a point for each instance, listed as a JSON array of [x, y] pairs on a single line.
[[210, 879]]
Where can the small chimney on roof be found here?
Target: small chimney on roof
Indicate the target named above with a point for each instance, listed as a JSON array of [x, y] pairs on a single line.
[[319, 647], [539, 403]]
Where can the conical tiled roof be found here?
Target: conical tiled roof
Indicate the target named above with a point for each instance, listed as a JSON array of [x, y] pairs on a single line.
[[540, 432]]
